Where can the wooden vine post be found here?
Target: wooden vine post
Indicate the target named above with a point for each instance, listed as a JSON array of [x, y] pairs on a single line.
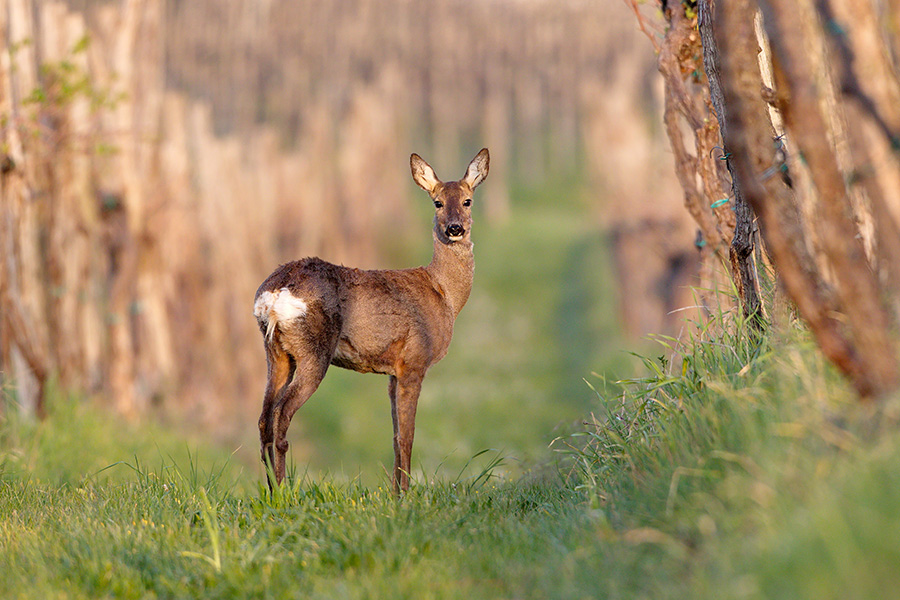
[[726, 228], [830, 220]]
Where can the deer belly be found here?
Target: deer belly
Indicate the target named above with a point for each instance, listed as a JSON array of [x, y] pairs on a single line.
[[370, 357]]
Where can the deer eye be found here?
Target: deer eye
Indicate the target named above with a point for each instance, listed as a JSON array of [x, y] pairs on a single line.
[[438, 204], [467, 202]]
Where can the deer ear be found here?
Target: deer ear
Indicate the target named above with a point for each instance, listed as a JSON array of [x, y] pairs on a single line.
[[423, 174], [478, 169]]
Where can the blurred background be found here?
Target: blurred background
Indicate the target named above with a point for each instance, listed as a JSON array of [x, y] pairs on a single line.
[[162, 157]]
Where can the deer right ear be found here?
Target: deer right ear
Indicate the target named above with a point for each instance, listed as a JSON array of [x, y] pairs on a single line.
[[423, 174]]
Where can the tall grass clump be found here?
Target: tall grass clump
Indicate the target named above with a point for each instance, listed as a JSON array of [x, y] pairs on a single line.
[[749, 464]]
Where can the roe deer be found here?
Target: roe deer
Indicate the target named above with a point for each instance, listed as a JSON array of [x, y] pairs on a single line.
[[313, 314]]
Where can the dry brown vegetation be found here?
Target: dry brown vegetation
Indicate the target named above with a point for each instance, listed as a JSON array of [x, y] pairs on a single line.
[[159, 157]]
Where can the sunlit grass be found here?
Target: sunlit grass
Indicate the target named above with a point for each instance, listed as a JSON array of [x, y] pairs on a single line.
[[168, 534], [735, 466], [751, 468]]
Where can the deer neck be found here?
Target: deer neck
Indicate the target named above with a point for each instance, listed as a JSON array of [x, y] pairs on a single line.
[[452, 269]]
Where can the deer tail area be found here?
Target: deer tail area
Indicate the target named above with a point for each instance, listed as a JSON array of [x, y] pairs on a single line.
[[276, 309]]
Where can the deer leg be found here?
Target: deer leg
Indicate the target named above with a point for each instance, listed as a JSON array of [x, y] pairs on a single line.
[[308, 375], [404, 399], [392, 393], [279, 372]]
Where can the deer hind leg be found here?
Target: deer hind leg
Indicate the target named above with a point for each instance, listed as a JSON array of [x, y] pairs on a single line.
[[280, 370], [404, 393], [308, 374]]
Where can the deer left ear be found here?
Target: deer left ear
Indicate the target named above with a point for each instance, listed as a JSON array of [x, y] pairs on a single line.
[[478, 169]]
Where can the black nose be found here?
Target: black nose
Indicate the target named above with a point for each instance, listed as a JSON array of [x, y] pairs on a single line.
[[455, 230]]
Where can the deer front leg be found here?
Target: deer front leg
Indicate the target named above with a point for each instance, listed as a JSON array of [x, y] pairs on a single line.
[[404, 395]]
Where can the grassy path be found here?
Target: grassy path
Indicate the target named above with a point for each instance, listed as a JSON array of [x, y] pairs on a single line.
[[750, 474]]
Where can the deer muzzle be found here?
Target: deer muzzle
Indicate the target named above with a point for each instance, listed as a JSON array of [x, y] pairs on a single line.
[[455, 231]]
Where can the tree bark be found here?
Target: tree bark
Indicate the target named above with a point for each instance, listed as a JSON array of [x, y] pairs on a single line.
[[872, 113], [741, 251], [748, 136], [687, 98], [856, 286]]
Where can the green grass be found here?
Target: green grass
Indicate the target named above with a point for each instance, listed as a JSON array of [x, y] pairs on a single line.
[[733, 467], [81, 442]]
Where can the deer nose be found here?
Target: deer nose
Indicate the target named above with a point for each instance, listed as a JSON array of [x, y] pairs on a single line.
[[455, 230]]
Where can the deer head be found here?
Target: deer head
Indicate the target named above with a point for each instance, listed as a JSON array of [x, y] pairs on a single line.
[[452, 200]]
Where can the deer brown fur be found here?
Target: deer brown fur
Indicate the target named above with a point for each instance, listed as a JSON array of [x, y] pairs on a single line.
[[313, 314]]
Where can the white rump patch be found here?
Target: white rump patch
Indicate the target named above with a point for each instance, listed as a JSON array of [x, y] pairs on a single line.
[[262, 305], [273, 308], [288, 306]]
